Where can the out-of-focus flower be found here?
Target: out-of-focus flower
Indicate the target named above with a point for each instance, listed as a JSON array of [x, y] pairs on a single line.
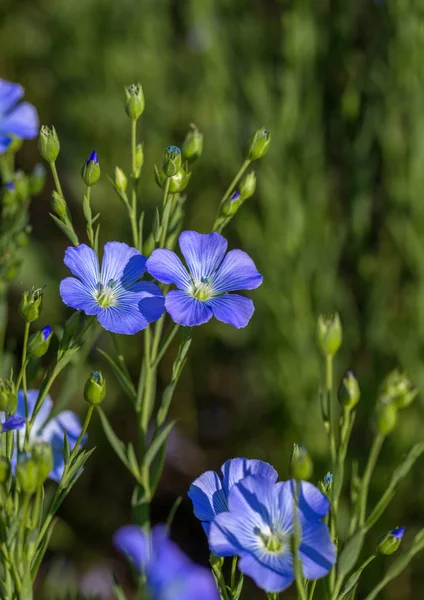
[[258, 527], [203, 288], [114, 294], [12, 423], [170, 574], [51, 431], [209, 492], [16, 118]]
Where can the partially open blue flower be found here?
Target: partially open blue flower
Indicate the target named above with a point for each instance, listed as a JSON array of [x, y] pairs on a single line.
[[12, 423], [209, 492], [258, 527], [49, 430], [203, 288], [19, 119], [170, 574], [121, 303]]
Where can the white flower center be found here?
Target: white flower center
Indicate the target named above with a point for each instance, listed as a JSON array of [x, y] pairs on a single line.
[[274, 541], [106, 295], [202, 290]]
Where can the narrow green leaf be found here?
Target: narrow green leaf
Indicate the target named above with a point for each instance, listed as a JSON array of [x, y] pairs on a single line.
[[86, 209], [158, 441], [67, 230], [350, 553], [173, 511], [115, 442], [126, 384]]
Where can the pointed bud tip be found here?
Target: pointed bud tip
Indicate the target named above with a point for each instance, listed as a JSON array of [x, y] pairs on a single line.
[[93, 158]]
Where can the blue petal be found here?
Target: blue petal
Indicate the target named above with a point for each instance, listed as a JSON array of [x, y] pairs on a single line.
[[232, 534], [13, 422], [165, 266], [124, 318], [313, 504], [10, 94], [121, 262], [273, 573], [149, 300], [232, 309], [186, 310], [131, 541], [203, 252], [74, 294], [255, 498], [235, 469], [43, 413], [5, 142], [207, 496], [317, 551], [22, 121], [84, 264], [237, 272]]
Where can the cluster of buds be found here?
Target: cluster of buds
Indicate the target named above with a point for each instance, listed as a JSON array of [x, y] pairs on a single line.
[[173, 171]]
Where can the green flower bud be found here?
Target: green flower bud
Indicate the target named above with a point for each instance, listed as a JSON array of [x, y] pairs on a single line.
[[9, 195], [95, 388], [349, 392], [386, 418], [329, 334], [192, 147], [30, 305], [258, 144], [216, 562], [37, 179], [21, 186], [398, 389], [39, 342], [326, 484], [48, 143], [231, 205], [171, 161], [59, 206], [134, 101], [121, 181], [42, 455], [177, 183], [8, 397], [248, 186], [301, 466], [4, 469], [389, 543], [27, 474], [90, 171], [139, 159]]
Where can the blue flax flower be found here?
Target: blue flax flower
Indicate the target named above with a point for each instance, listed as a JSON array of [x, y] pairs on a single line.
[[209, 492], [121, 303], [19, 119], [170, 574], [12, 423], [203, 288], [48, 430], [258, 527]]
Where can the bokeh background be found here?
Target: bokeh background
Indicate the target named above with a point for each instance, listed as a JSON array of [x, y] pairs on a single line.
[[337, 223]]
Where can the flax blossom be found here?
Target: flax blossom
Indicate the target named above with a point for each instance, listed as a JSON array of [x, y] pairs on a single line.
[[18, 119]]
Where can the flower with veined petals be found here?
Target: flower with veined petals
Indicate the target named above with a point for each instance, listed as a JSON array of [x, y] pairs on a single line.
[[12, 423], [170, 574], [48, 430], [258, 527], [209, 492], [203, 289], [114, 294], [19, 119]]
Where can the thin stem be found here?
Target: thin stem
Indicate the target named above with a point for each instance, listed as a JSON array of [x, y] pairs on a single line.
[[166, 214], [340, 579], [56, 178], [166, 345], [148, 383], [133, 213], [233, 572], [329, 392], [372, 460], [297, 564], [82, 434], [24, 379], [234, 181], [312, 590], [89, 223]]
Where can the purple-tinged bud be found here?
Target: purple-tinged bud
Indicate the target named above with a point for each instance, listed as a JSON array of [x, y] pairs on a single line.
[[90, 171], [232, 204], [389, 543], [39, 342]]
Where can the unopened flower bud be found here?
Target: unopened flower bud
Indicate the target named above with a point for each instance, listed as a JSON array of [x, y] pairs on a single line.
[[171, 161], [21, 185], [329, 334], [326, 484], [177, 183], [301, 466], [90, 171], [121, 181], [8, 397], [386, 418], [134, 101], [389, 543], [139, 159], [349, 392], [95, 388], [37, 179], [248, 186], [192, 147], [4, 469], [42, 455], [48, 143], [59, 206], [27, 474], [232, 204], [258, 144], [39, 342], [398, 389], [30, 305]]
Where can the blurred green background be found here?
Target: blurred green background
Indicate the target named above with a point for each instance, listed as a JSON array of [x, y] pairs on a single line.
[[337, 223]]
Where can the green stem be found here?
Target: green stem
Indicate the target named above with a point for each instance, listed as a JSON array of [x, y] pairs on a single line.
[[166, 214], [90, 232], [166, 345], [312, 590], [329, 392], [234, 181], [148, 383], [3, 323], [297, 564], [56, 178], [372, 460], [75, 449], [24, 379], [133, 212], [233, 572]]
